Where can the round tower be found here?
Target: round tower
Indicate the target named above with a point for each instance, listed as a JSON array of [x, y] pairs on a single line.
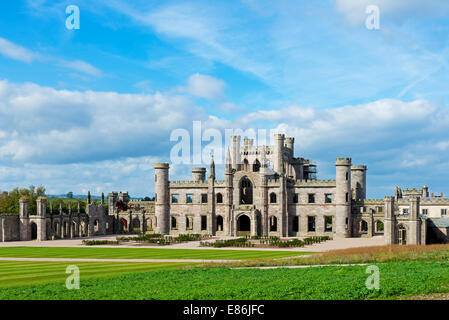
[[278, 160], [162, 209], [343, 198], [198, 174], [289, 144], [358, 181]]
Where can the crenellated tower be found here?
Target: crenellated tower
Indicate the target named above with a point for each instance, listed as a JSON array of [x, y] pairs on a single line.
[[343, 198]]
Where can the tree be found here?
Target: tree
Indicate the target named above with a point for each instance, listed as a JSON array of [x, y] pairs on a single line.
[[70, 195]]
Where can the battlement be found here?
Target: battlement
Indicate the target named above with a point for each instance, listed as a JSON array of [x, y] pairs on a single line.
[[359, 167], [161, 166], [315, 183], [435, 201], [343, 161], [372, 201], [187, 184]]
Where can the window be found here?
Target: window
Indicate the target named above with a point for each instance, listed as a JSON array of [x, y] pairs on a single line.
[[295, 224], [187, 223], [203, 222], [189, 198], [425, 212], [295, 198], [219, 198], [273, 224], [328, 198], [174, 198], [405, 212], [347, 176], [311, 198], [204, 198], [347, 197], [443, 212], [380, 209], [272, 197], [311, 224], [328, 224], [174, 224], [346, 223]]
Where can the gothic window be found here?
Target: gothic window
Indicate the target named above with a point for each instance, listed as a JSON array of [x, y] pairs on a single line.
[[272, 197], [256, 166], [246, 191], [219, 198]]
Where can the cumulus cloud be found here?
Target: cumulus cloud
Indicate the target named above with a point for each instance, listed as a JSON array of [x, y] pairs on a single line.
[[44, 125], [205, 86]]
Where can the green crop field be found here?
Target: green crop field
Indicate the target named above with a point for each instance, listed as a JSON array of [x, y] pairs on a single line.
[[140, 253], [396, 280], [20, 273]]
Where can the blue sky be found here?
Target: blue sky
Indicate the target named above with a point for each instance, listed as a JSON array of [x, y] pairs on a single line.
[[93, 109]]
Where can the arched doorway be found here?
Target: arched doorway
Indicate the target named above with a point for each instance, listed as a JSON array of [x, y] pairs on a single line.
[[402, 235], [33, 231], [123, 225], [246, 191], [379, 226], [96, 226], [363, 226], [243, 225], [220, 223]]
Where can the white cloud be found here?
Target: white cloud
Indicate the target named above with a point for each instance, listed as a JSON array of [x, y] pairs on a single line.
[[205, 86], [16, 52], [44, 125], [81, 66]]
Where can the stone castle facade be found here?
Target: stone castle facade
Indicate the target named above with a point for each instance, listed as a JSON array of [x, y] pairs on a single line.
[[266, 191]]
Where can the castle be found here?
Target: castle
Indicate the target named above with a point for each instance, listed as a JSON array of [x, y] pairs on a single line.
[[267, 191]]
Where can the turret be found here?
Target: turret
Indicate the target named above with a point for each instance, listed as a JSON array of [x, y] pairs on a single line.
[[198, 174], [162, 209], [389, 222], [25, 231], [289, 144], [235, 152], [343, 197], [425, 192], [112, 200], [23, 207], [358, 182], [278, 156]]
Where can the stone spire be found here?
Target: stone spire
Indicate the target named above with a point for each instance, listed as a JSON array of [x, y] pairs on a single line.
[[102, 198], [60, 207]]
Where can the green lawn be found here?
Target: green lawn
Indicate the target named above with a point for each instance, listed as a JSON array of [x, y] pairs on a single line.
[[140, 253], [20, 273], [396, 280]]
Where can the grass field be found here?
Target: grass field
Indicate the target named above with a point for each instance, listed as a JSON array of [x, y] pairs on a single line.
[[20, 273], [140, 253], [396, 280]]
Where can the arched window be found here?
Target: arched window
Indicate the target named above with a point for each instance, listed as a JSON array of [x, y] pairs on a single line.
[[246, 191], [219, 198], [272, 197], [174, 224], [219, 223], [273, 224], [256, 166], [245, 165]]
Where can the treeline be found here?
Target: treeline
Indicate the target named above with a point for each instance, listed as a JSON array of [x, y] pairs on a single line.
[[9, 201]]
